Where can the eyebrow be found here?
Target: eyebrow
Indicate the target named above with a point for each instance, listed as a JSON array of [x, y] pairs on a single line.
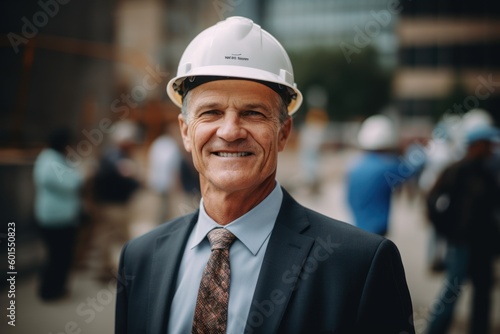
[[257, 105], [247, 106], [209, 105]]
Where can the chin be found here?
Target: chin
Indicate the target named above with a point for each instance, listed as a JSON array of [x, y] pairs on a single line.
[[233, 183]]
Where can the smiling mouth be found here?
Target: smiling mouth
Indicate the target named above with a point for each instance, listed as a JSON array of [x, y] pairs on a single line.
[[232, 155]]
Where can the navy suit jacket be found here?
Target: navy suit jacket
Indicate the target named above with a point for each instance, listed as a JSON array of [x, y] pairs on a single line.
[[319, 275]]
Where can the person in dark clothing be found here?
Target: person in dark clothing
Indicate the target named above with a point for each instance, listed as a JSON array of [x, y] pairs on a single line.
[[472, 233], [115, 180], [236, 94], [115, 186]]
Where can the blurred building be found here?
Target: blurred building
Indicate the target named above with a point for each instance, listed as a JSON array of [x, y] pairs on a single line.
[[82, 64], [349, 25], [444, 46], [79, 63], [72, 62], [56, 64], [55, 60]]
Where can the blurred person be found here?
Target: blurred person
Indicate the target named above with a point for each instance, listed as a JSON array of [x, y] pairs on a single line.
[[190, 179], [164, 164], [369, 183], [116, 181], [480, 117], [292, 270], [465, 198], [57, 212], [311, 137], [116, 178], [444, 148], [475, 118]]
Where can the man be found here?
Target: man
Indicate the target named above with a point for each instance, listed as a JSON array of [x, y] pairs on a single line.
[[368, 181], [466, 201], [292, 270]]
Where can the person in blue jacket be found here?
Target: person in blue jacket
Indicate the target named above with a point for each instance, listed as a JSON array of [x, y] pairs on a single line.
[[372, 178]]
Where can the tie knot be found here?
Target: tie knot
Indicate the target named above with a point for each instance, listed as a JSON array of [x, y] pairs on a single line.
[[220, 238]]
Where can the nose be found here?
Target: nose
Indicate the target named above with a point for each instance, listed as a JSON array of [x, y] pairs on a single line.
[[231, 128]]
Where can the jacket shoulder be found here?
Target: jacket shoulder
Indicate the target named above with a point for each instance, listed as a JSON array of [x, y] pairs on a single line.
[[145, 243], [348, 235], [317, 225]]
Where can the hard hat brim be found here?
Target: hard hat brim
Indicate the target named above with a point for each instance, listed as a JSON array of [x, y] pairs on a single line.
[[237, 72]]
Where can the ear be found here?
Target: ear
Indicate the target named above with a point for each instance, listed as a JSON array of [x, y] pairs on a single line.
[[184, 132], [284, 134]]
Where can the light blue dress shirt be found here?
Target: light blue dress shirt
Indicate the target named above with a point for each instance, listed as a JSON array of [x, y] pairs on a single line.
[[252, 231]]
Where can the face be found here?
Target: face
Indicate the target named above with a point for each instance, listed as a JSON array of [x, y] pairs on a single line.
[[234, 135]]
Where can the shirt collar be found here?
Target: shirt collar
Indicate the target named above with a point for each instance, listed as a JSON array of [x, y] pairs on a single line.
[[252, 229]]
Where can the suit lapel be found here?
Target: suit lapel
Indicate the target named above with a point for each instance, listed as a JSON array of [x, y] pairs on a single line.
[[165, 266], [285, 255]]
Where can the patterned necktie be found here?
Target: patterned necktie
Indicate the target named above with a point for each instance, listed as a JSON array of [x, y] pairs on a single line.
[[210, 315]]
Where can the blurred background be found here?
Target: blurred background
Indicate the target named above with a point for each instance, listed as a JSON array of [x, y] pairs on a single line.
[[99, 68]]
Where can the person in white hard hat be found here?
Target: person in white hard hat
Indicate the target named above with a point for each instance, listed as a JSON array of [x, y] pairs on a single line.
[[369, 187], [447, 146], [465, 204], [292, 270]]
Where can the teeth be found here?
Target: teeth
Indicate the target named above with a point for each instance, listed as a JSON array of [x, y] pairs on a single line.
[[232, 155]]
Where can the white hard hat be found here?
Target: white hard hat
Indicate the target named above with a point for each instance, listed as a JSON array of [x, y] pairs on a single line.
[[482, 132], [475, 118], [377, 133], [236, 48]]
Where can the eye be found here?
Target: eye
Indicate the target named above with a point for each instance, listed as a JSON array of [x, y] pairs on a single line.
[[209, 113], [253, 113]]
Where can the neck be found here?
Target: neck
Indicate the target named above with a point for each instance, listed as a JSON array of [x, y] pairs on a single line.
[[224, 207]]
